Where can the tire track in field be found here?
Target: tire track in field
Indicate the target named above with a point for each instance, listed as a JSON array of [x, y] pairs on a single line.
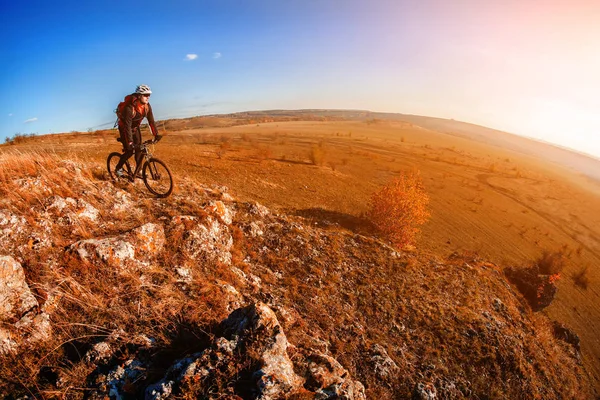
[[483, 179]]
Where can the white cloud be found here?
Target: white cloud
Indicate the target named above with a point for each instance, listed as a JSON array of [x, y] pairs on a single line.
[[10, 115], [216, 55], [30, 120], [191, 57]]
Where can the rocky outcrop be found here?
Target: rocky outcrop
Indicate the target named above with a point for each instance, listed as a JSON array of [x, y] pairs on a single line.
[[250, 359], [330, 380], [567, 335], [253, 340]]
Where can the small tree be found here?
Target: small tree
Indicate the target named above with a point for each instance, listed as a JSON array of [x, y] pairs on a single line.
[[399, 208], [317, 154], [581, 277]]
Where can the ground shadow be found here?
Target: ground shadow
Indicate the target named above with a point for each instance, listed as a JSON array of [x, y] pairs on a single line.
[[329, 218], [183, 339], [281, 160], [260, 160]]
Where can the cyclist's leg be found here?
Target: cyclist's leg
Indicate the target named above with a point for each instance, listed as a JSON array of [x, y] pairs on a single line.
[[128, 150], [137, 141], [124, 158]]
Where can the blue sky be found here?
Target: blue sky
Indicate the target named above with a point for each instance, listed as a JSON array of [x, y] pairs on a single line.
[[529, 67]]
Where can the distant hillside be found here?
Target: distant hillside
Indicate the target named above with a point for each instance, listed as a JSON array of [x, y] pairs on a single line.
[[583, 163], [580, 162]]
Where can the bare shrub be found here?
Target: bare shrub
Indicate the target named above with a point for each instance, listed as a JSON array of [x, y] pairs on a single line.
[[581, 277], [264, 153], [399, 208], [222, 149], [528, 282], [537, 283], [225, 141], [552, 262], [317, 154], [19, 138]]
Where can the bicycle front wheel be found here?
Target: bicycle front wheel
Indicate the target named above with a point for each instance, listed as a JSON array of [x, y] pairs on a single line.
[[111, 164], [157, 177]]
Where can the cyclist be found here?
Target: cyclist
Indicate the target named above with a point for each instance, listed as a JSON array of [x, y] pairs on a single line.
[[131, 112]]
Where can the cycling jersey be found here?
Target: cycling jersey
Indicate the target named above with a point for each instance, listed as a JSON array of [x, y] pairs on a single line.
[[132, 117]]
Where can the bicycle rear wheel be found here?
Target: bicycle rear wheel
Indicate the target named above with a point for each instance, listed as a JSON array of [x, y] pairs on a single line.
[[157, 177], [111, 164]]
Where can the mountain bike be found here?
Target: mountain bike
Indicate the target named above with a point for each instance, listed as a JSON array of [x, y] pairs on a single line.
[[155, 173]]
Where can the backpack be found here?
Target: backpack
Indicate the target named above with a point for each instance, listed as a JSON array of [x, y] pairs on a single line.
[[126, 101]]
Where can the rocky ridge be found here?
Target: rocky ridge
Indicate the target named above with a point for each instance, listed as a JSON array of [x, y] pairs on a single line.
[[202, 295]]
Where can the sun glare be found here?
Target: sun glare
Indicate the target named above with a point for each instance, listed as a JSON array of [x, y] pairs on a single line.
[[561, 123]]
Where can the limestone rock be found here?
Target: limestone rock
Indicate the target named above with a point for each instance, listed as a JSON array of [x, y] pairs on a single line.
[[255, 332], [15, 296], [204, 240], [69, 210], [140, 245], [233, 298], [21, 324], [149, 239], [347, 390], [564, 333], [276, 375], [425, 391], [259, 210], [117, 383], [112, 251], [7, 342], [13, 229], [385, 368], [221, 211], [36, 326]]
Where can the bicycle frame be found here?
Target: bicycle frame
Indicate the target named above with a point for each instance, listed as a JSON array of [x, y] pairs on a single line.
[[146, 153], [156, 175]]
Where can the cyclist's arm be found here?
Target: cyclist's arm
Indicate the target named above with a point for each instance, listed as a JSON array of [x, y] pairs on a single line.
[[150, 117]]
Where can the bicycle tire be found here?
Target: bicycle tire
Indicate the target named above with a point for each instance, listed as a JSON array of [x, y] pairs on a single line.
[[111, 164], [157, 177]]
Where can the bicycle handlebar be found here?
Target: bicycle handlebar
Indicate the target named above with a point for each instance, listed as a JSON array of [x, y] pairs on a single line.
[[152, 141]]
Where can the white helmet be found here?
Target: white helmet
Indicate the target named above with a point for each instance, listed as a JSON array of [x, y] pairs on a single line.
[[143, 89]]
